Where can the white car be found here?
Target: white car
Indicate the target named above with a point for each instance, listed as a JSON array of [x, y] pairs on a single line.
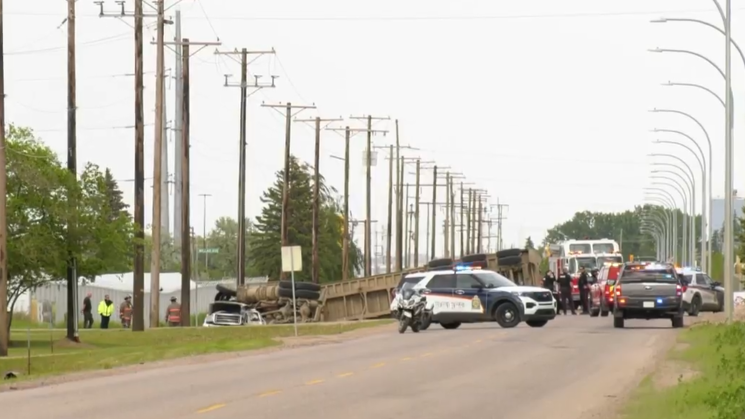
[[701, 292], [474, 296]]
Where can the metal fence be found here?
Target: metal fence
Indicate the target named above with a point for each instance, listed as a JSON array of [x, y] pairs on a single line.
[[52, 299]]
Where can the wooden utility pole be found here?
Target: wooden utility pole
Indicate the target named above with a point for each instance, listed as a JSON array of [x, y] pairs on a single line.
[[138, 274], [399, 203], [345, 249], [185, 207], [462, 212], [157, 167], [434, 213], [316, 194], [244, 53], [416, 215], [4, 331], [452, 217], [469, 228], [72, 283], [288, 114], [407, 227], [447, 215], [390, 212], [478, 226]]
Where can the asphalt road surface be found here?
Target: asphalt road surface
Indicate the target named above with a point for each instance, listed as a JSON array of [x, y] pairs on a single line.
[[570, 369]]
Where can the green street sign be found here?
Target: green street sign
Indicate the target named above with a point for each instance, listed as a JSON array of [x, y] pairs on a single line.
[[209, 250]]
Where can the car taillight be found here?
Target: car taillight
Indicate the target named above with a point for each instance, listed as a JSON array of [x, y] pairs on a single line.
[[607, 289], [679, 290], [685, 288], [618, 290]]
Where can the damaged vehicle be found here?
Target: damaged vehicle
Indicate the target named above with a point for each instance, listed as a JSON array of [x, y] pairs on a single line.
[[232, 313]]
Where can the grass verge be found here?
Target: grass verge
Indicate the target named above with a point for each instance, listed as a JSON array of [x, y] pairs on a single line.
[[717, 353], [99, 349]]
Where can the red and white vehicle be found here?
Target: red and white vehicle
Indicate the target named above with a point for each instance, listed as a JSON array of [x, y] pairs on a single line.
[[589, 254]]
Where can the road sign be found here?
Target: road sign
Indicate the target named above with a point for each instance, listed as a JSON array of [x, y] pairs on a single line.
[[210, 250], [292, 260]]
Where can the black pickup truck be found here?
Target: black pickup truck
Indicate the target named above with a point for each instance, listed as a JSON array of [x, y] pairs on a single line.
[[655, 292]]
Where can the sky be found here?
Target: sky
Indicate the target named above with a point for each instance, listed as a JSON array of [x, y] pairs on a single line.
[[545, 103]]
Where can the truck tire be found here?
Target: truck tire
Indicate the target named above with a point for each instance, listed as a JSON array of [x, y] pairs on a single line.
[[299, 285], [436, 263], [677, 322], [226, 290], [604, 313], [509, 252], [509, 260], [507, 315], [473, 258], [300, 294], [450, 326], [618, 322]]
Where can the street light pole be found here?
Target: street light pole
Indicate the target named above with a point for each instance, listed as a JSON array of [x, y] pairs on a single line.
[[671, 216], [706, 197], [729, 166], [674, 207], [691, 197], [686, 228]]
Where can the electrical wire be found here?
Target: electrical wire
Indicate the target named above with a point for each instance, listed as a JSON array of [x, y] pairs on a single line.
[[82, 44]]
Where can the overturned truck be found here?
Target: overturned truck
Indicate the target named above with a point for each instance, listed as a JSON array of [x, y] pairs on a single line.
[[273, 300]]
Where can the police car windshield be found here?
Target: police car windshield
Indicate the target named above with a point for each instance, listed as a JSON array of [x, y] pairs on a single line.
[[493, 279], [650, 275]]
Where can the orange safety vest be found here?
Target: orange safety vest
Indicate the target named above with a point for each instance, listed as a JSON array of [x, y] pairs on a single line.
[[174, 314]]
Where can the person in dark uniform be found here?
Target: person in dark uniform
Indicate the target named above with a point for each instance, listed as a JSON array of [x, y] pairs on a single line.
[[584, 286], [565, 289], [87, 312], [549, 282]]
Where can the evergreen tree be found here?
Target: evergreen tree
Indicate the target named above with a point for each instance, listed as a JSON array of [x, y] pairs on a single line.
[[115, 196], [529, 243], [265, 244]]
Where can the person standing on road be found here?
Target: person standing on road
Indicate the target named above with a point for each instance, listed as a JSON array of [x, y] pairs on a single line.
[[173, 313], [105, 310], [125, 312], [584, 286], [87, 311], [549, 282], [565, 289]]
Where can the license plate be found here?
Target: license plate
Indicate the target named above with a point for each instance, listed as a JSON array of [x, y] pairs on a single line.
[[407, 314], [649, 304]]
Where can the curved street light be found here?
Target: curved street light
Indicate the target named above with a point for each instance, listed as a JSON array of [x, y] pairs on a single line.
[[655, 231], [688, 199], [675, 207], [654, 218], [706, 216], [701, 22], [698, 86], [662, 203]]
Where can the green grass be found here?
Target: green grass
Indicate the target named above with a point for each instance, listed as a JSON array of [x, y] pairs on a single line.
[[717, 352], [99, 349], [21, 323]]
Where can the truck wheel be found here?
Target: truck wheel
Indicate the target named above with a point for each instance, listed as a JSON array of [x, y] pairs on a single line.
[[450, 326], [677, 322], [618, 322], [226, 290], [507, 315], [594, 312], [299, 285], [695, 306], [509, 252], [301, 294], [604, 313], [509, 260], [537, 323]]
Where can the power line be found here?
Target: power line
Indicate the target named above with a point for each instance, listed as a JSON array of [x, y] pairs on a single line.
[[81, 44]]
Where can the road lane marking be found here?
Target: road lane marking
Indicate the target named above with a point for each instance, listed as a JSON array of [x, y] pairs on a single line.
[[378, 365], [408, 358], [313, 382], [211, 408], [427, 354], [270, 393], [346, 374], [478, 341]]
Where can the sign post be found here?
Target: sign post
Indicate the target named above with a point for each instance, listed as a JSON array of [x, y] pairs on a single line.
[[292, 260]]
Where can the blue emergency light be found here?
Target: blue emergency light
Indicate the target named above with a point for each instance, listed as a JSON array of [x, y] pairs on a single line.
[[659, 301]]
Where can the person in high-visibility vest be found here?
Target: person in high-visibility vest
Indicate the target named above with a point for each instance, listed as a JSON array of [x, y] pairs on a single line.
[[105, 310], [173, 313], [125, 312]]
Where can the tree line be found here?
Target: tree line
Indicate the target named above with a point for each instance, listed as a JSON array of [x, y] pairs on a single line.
[[54, 217]]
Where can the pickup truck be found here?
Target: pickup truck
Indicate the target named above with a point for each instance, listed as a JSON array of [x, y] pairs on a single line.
[[654, 292]]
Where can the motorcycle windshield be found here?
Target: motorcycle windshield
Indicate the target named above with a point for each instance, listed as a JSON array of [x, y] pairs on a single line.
[[408, 291]]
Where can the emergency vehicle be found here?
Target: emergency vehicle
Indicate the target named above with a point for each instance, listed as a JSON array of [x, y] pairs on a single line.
[[576, 254]]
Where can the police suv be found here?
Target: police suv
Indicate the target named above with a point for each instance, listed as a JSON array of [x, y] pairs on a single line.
[[471, 295]]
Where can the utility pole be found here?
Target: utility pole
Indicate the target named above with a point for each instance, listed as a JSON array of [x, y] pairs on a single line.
[[416, 215], [368, 188], [447, 215], [316, 193], [157, 166], [452, 218], [288, 114], [500, 218], [243, 85], [469, 248], [178, 107], [399, 203], [390, 214], [72, 154], [478, 247], [434, 212], [472, 225], [204, 232], [407, 227], [462, 209], [185, 206], [4, 332], [138, 280]]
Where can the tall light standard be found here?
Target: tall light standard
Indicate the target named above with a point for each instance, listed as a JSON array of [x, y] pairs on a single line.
[[706, 199], [652, 219], [729, 167], [690, 260], [697, 86], [658, 208], [667, 207], [702, 165], [653, 230], [690, 194], [701, 22], [664, 193]]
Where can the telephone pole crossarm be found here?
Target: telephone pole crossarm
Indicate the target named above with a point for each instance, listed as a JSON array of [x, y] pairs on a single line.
[[288, 107], [201, 45]]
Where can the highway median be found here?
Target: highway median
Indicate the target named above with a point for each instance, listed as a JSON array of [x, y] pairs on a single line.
[[702, 377], [39, 353]]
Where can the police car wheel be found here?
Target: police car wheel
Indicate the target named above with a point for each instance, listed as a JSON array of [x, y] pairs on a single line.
[[507, 315], [695, 306], [450, 326], [537, 323]]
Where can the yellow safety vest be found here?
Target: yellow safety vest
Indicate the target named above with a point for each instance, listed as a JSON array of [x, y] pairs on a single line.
[[105, 310]]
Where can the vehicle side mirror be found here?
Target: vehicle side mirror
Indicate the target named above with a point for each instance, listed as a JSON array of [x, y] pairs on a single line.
[[716, 284], [477, 286]]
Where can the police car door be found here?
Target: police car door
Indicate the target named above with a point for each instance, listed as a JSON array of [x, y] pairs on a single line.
[[471, 290], [440, 294], [708, 294]]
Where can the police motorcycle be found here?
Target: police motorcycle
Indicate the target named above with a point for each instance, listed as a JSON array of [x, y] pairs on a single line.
[[412, 310]]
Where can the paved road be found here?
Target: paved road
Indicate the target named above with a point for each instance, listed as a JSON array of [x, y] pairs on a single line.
[[476, 371]]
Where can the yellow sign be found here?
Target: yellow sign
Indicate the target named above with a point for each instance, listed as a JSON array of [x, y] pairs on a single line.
[[476, 303]]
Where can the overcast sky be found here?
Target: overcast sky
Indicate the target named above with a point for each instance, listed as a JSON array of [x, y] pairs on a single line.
[[544, 103]]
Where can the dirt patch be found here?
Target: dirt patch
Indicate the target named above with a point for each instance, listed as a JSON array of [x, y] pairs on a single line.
[[672, 373]]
